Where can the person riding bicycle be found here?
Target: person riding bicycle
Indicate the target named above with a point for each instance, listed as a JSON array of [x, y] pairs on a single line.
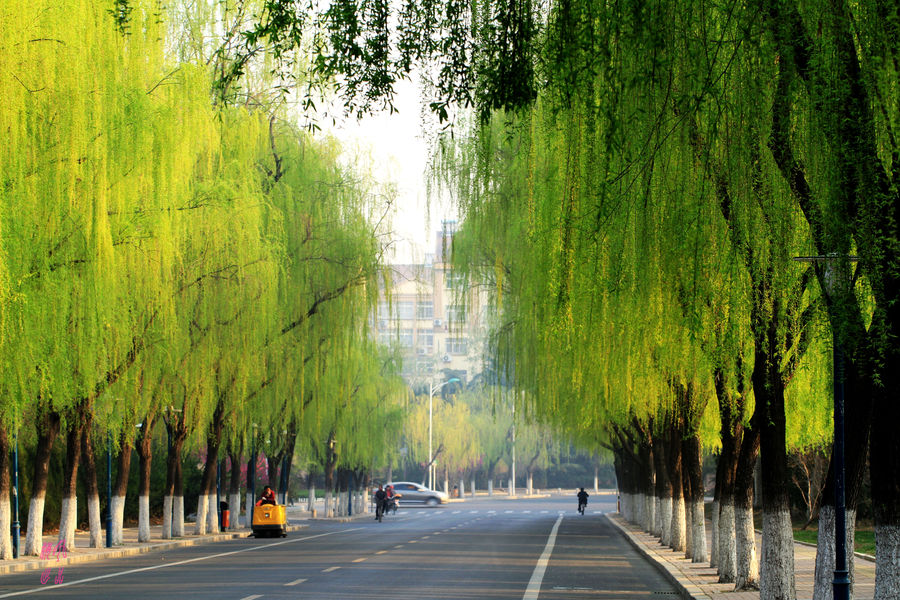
[[582, 500]]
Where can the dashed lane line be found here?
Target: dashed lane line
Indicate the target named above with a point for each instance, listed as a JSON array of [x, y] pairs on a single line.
[[360, 559], [295, 582], [331, 569], [253, 597], [173, 564]]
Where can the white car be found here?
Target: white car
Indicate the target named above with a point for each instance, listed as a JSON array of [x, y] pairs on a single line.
[[413, 493]]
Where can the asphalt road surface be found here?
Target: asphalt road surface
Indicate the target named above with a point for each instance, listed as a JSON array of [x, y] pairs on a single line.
[[484, 549]]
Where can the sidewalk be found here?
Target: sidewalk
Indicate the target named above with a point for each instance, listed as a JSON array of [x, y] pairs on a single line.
[[130, 547], [699, 581]]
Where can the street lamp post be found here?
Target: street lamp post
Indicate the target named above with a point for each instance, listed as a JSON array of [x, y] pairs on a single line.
[[109, 540], [15, 495], [837, 273], [431, 390]]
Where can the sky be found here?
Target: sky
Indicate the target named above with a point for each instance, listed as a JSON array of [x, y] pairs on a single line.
[[399, 154]]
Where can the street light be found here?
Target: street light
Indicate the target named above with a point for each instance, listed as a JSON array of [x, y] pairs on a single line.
[[836, 277], [431, 390]]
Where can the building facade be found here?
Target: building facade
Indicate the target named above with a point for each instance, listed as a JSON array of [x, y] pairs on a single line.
[[433, 317]]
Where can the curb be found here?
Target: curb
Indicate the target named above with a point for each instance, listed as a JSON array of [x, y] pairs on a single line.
[[22, 564], [688, 592]]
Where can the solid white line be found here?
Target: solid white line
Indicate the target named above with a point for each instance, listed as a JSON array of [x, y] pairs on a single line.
[[174, 564], [295, 582], [534, 586]]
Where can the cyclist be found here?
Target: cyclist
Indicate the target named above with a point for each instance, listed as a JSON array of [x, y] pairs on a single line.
[[582, 500]]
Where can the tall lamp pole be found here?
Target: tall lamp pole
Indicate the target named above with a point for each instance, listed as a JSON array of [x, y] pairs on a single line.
[[431, 390], [837, 276], [15, 523]]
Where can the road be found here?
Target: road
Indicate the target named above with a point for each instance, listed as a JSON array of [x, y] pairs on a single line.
[[483, 549]]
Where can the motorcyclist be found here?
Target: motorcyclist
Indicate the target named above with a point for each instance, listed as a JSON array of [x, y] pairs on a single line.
[[582, 500], [380, 501]]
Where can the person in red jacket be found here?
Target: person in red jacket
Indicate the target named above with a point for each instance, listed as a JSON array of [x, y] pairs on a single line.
[[268, 497]]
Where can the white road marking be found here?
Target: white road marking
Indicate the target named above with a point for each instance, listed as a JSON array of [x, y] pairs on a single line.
[[172, 564], [330, 569], [295, 582], [400, 546], [456, 512], [360, 559], [381, 552], [507, 511], [526, 511], [543, 512], [534, 585], [253, 597]]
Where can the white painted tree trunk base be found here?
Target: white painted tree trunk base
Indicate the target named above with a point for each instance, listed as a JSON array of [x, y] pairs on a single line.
[[118, 516], [178, 516], [490, 488], [650, 514], [212, 514], [6, 550], [249, 502], [714, 541], [887, 562], [656, 530], [678, 525], [329, 508], [747, 565], [167, 518], [727, 544], [34, 536], [472, 487], [68, 517], [822, 587], [143, 519], [665, 522], [777, 557], [688, 530], [94, 522], [311, 499], [202, 508], [234, 511], [698, 533]]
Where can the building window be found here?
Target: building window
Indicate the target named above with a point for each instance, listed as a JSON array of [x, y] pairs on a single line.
[[405, 310], [454, 280], [457, 346], [425, 309], [406, 338], [426, 341], [456, 313]]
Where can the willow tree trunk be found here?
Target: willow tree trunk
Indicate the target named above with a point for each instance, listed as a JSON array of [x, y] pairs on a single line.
[[777, 562], [173, 495], [662, 525], [234, 489], [747, 566], [731, 449], [885, 466], [89, 473], [69, 508], [145, 460], [694, 466], [6, 550], [48, 425], [687, 494], [120, 489], [206, 499], [673, 460]]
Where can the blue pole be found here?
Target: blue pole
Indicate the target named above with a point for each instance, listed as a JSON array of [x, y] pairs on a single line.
[[219, 493], [109, 489], [350, 496], [15, 524]]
